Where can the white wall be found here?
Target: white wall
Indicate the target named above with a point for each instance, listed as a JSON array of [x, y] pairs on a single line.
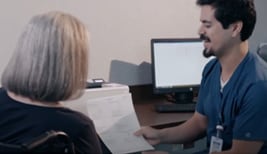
[[120, 31]]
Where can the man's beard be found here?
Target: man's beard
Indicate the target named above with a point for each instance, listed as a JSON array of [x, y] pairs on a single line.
[[206, 52]]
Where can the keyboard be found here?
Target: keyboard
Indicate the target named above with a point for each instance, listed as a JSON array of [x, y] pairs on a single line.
[[168, 108]]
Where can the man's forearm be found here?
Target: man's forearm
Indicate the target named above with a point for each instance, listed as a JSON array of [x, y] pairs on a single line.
[[189, 131]]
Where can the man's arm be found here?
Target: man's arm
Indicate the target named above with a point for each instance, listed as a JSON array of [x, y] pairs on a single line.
[[191, 130], [243, 147]]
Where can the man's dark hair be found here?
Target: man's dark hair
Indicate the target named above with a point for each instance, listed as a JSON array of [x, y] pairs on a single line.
[[230, 11]]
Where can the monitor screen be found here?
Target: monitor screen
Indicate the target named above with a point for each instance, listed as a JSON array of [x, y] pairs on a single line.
[[177, 64]]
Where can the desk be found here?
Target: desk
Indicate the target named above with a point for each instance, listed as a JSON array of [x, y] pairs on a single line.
[[144, 100], [147, 115]]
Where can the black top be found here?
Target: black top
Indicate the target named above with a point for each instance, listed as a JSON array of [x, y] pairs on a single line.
[[21, 122]]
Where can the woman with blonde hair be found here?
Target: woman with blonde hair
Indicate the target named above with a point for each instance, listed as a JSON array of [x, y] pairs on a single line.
[[49, 65]]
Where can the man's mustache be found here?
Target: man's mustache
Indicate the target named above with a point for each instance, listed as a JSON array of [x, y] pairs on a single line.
[[204, 37]]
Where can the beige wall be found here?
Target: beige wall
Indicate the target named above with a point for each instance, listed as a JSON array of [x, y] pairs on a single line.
[[120, 31]]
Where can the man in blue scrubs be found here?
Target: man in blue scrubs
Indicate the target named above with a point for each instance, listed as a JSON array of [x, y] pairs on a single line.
[[232, 102]]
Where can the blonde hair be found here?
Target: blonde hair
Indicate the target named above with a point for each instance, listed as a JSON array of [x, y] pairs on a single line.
[[50, 61]]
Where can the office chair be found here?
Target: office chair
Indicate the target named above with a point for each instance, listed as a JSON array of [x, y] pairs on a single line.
[[49, 142], [262, 51]]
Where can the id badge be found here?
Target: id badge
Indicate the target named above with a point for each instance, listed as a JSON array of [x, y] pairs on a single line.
[[216, 144]]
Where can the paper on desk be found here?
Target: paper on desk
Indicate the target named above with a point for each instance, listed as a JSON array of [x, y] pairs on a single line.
[[115, 121]]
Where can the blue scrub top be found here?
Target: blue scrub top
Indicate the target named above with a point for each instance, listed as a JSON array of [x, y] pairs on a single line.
[[242, 106]]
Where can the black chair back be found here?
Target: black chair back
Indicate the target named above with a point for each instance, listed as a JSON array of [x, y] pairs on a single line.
[[262, 51], [49, 142]]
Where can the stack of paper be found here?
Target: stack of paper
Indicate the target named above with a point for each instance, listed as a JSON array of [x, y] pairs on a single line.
[[109, 89]]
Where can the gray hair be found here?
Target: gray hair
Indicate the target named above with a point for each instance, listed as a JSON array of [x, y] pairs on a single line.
[[50, 61]]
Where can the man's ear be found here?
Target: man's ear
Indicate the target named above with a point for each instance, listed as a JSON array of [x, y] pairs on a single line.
[[237, 27]]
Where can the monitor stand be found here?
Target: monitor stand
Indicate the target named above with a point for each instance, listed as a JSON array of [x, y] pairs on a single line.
[[183, 102]]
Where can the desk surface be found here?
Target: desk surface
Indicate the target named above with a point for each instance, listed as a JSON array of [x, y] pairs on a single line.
[[147, 115]]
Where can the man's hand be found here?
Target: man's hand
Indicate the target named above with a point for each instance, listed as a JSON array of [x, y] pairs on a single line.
[[150, 134]]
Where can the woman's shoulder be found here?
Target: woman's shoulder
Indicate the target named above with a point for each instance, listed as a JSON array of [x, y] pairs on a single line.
[[76, 116]]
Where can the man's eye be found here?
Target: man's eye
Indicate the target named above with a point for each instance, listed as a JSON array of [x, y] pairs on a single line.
[[207, 26]]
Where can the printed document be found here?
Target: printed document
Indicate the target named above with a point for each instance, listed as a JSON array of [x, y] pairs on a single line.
[[115, 121]]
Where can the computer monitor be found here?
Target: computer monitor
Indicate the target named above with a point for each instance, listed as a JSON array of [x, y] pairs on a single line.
[[177, 66]]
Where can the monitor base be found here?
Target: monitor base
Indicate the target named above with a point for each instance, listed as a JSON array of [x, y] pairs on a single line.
[[174, 107]]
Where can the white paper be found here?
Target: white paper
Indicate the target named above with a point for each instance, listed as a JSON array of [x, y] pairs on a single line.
[[115, 121]]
